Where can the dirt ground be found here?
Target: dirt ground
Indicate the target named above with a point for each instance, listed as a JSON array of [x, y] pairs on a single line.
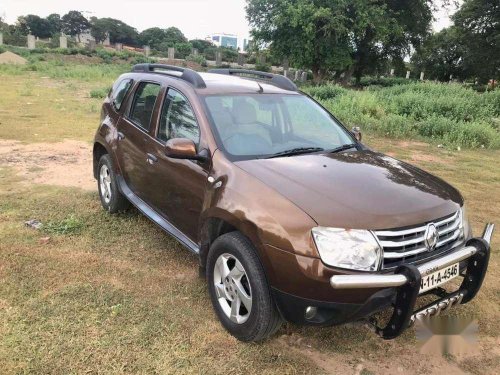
[[67, 163]]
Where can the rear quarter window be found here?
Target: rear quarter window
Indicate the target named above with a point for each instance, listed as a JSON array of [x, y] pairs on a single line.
[[119, 92]]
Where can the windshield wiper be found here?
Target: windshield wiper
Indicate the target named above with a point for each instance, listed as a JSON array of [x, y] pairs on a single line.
[[343, 148], [295, 151]]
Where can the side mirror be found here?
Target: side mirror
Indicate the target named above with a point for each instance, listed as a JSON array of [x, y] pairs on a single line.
[[183, 148], [356, 131]]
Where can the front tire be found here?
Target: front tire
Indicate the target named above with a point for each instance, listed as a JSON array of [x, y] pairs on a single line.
[[239, 291], [112, 199]]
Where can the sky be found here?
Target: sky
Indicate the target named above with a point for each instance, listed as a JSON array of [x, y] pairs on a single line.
[[195, 18]]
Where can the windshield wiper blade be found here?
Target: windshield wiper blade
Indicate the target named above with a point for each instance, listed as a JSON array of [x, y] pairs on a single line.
[[296, 151], [343, 148]]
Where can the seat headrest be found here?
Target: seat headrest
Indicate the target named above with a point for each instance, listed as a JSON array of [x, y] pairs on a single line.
[[244, 113]]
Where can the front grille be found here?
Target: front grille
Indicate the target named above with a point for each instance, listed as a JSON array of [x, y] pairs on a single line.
[[407, 245]]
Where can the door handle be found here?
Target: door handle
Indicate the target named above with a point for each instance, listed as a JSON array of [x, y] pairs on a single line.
[[151, 159], [121, 136]]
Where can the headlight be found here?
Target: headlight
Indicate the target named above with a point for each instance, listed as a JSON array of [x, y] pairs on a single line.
[[353, 249], [465, 227]]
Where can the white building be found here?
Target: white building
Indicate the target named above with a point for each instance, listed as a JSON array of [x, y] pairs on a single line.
[[229, 40]]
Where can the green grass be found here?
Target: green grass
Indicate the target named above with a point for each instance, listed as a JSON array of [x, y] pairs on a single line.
[[60, 69], [445, 113], [67, 226], [99, 93]]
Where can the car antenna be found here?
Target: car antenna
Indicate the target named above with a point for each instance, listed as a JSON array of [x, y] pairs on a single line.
[[261, 90]]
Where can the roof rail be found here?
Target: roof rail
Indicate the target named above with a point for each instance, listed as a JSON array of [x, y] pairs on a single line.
[[277, 80], [187, 75]]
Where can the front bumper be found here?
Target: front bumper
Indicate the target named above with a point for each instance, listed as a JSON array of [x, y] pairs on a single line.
[[407, 278]]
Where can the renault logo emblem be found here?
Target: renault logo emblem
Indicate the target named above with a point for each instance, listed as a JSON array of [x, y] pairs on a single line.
[[431, 237]]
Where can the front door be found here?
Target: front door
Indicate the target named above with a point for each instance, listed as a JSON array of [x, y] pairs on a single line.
[[134, 139], [179, 184]]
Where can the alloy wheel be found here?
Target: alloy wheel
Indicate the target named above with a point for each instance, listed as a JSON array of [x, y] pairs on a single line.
[[232, 287], [105, 183]]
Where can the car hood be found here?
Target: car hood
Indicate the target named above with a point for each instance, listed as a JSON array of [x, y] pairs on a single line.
[[361, 189]]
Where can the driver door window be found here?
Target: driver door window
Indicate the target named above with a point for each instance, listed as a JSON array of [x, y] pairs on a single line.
[[177, 119]]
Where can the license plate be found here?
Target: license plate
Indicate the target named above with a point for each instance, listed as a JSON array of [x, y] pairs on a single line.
[[439, 277]]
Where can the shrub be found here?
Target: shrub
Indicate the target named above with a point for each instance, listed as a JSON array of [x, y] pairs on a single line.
[[99, 93], [325, 92], [141, 59], [448, 113], [384, 81], [182, 50], [198, 59], [263, 67]]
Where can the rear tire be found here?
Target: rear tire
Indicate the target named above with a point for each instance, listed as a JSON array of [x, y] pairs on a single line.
[[239, 291], [112, 199]]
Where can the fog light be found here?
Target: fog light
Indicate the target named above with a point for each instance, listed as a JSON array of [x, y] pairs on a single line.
[[311, 312]]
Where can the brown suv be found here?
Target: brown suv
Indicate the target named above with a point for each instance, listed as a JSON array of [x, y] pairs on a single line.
[[290, 215]]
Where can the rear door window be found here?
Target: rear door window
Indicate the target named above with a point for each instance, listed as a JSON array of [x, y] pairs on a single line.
[[119, 92], [144, 104], [177, 119]]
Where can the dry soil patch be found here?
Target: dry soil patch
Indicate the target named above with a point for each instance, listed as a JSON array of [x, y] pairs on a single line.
[[67, 163]]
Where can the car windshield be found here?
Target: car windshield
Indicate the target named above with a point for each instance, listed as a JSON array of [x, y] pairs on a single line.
[[267, 125]]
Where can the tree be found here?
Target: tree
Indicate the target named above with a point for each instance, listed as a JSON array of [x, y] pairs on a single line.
[[174, 36], [201, 45], [383, 30], [74, 23], [152, 37], [162, 39], [478, 25], [55, 23], [3, 26], [37, 26], [327, 35], [441, 55], [183, 50], [118, 31], [309, 36]]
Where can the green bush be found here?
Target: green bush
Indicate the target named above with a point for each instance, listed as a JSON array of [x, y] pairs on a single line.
[[324, 92], [447, 113], [198, 59], [99, 93], [263, 67], [384, 81], [182, 50], [141, 59]]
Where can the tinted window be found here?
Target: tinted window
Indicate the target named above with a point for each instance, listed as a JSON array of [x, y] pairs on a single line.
[[144, 104], [119, 93], [177, 119]]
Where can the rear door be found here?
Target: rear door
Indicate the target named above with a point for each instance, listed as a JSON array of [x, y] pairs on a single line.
[[134, 141]]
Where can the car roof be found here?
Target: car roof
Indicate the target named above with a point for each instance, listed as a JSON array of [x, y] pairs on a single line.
[[227, 84], [217, 82]]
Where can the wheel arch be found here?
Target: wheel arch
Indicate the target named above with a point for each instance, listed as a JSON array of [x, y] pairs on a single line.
[[221, 222], [98, 151]]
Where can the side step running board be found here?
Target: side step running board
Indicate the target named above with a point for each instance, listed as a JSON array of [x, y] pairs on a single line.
[[155, 217]]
